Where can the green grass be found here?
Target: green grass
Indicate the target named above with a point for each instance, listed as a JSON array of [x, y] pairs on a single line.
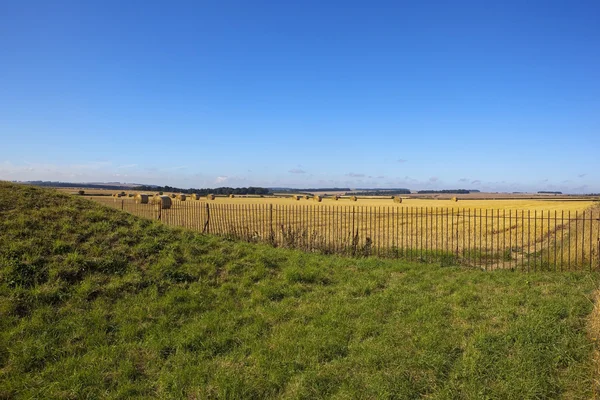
[[95, 303]]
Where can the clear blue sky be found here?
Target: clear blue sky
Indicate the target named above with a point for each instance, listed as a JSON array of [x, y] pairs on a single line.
[[486, 95]]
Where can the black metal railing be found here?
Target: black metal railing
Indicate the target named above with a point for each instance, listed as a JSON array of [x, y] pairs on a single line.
[[487, 238]]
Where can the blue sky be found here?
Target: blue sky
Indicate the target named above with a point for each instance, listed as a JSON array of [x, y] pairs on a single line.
[[501, 96]]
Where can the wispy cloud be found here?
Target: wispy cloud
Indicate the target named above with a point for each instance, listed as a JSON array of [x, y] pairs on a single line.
[[297, 171], [221, 179], [476, 182], [463, 180], [582, 175], [434, 179], [401, 160], [355, 175], [127, 166]]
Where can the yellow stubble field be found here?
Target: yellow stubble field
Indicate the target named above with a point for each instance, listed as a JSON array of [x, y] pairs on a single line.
[[525, 233]]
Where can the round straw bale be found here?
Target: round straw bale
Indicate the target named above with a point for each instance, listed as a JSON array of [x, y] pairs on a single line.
[[353, 198], [173, 195], [181, 197], [210, 197], [397, 199], [141, 198], [317, 198], [296, 197], [163, 201], [129, 194], [195, 196], [336, 197], [231, 196], [306, 197], [454, 199]]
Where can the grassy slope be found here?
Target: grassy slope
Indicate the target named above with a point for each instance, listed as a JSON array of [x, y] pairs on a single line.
[[95, 303]]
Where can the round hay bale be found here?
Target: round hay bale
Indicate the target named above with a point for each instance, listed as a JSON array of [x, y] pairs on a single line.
[[173, 195], [163, 201], [210, 197], [141, 198], [231, 196], [306, 197], [397, 199], [81, 192], [296, 197], [195, 196], [130, 195], [318, 199], [336, 197], [181, 197], [353, 198], [454, 199]]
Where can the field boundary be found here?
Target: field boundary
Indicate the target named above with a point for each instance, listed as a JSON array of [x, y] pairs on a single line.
[[483, 238]]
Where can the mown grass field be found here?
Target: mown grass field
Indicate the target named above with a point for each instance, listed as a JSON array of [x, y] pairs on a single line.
[[96, 303]]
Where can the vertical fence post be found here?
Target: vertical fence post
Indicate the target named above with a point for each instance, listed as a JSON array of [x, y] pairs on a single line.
[[271, 232], [122, 205], [205, 229]]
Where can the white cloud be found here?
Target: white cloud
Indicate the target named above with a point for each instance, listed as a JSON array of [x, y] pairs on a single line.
[[221, 179], [127, 166]]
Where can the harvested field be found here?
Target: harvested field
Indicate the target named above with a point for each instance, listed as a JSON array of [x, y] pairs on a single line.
[[518, 234]]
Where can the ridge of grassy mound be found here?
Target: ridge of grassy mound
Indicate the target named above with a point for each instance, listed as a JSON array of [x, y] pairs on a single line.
[[96, 303]]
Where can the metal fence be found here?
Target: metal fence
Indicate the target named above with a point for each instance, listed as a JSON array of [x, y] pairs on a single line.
[[490, 239]]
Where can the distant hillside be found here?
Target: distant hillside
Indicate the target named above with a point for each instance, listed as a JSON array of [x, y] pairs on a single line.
[[94, 185]]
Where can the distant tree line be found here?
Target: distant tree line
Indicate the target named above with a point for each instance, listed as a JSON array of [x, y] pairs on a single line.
[[445, 191], [204, 192], [548, 192]]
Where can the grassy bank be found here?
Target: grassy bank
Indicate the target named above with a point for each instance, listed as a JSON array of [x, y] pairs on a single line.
[[95, 303]]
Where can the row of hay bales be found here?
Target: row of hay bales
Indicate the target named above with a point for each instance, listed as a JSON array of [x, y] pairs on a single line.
[[165, 201], [317, 198]]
